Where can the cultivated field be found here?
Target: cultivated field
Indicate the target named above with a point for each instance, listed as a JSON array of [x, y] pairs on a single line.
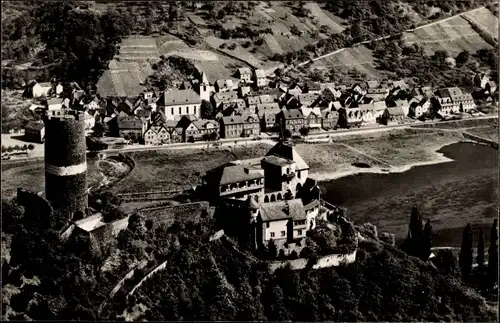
[[359, 58], [453, 35], [486, 20]]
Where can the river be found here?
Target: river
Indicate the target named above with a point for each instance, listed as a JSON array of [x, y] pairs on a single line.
[[451, 194]]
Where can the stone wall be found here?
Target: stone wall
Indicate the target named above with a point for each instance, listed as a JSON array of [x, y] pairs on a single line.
[[333, 260]]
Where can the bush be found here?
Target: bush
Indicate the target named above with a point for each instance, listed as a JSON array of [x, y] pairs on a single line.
[[232, 46]]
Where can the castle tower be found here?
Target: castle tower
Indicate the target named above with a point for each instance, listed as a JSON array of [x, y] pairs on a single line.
[[253, 209], [204, 87], [66, 162]]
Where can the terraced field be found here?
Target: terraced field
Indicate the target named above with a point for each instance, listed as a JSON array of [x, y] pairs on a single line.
[[453, 35], [138, 48], [359, 58], [486, 20]]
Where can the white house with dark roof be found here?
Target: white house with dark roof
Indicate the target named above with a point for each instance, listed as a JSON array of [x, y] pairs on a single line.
[[177, 103], [260, 78], [453, 100], [245, 74], [41, 89]]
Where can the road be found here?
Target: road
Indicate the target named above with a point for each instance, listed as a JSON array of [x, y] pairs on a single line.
[[271, 140]]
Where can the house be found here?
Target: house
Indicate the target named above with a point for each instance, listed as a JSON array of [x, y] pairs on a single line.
[[177, 103], [224, 85], [490, 87], [293, 120], [245, 74], [403, 104], [331, 94], [130, 127], [267, 98], [90, 103], [89, 121], [207, 127], [253, 101], [35, 131], [312, 118], [371, 85], [481, 79], [220, 98], [401, 84], [233, 181], [453, 100], [261, 107], [41, 89], [244, 90], [56, 104], [367, 112], [379, 108], [58, 89], [308, 99], [295, 90], [260, 78], [393, 115], [312, 87], [240, 126], [419, 107], [269, 120], [280, 220], [329, 119], [377, 94]]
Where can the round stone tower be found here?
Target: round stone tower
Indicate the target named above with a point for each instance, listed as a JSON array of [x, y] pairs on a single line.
[[66, 162]]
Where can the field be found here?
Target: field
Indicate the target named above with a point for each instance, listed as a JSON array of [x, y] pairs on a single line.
[[485, 20], [359, 58], [30, 175], [404, 147], [490, 132], [329, 158], [453, 35], [170, 169]]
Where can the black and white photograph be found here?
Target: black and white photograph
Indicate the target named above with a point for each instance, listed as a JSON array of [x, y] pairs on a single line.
[[282, 161]]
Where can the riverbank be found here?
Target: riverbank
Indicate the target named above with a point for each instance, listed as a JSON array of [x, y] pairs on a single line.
[[460, 188]]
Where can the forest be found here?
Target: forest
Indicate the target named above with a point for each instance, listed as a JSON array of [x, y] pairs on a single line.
[[208, 281], [61, 40]]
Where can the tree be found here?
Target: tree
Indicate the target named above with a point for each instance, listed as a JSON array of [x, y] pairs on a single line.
[[426, 243], [207, 110], [99, 129], [465, 258], [4, 149], [462, 58], [493, 255], [287, 134], [17, 147], [304, 131], [480, 249], [272, 249]]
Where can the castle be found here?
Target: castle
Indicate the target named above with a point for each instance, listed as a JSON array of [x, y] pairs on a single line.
[[269, 198]]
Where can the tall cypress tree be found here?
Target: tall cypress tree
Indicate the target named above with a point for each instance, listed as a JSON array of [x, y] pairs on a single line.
[[493, 255], [465, 259], [426, 243], [415, 229], [480, 249]]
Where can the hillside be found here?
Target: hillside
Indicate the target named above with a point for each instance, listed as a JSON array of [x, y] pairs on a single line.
[[452, 35]]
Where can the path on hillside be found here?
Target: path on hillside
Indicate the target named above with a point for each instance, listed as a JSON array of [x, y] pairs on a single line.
[[291, 67]]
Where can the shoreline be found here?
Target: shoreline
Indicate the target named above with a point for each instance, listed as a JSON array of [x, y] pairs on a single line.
[[439, 159]]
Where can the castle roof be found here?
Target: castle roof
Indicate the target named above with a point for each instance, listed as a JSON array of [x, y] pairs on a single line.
[[252, 204], [282, 210], [286, 151]]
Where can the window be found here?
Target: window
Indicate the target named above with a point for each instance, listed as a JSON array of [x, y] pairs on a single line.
[[180, 110], [187, 110], [194, 109], [299, 232], [298, 174], [283, 233], [172, 111], [267, 225], [271, 234]]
